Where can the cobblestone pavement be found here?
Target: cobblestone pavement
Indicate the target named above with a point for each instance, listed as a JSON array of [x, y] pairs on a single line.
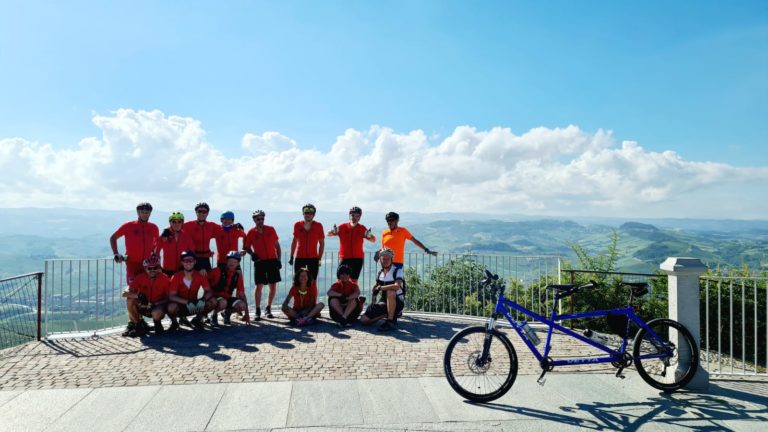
[[267, 351]]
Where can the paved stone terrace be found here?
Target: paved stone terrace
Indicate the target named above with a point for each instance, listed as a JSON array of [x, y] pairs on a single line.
[[270, 350]]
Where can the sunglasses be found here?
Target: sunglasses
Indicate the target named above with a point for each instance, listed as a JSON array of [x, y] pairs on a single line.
[[177, 221], [202, 211], [188, 261], [153, 268], [258, 218], [391, 220]]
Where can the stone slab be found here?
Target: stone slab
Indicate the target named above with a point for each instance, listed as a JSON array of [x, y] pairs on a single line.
[[395, 401], [6, 396], [179, 408], [325, 403], [35, 410], [106, 409], [252, 406]]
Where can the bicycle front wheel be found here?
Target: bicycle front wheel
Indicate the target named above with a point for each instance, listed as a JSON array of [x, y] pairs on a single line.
[[666, 358], [474, 378]]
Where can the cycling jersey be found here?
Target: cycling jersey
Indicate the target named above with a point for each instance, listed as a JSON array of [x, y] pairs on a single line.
[[305, 299], [262, 243], [172, 247], [226, 241], [155, 289], [351, 240], [191, 292], [308, 240], [395, 240], [224, 289], [344, 288], [139, 239], [201, 234]]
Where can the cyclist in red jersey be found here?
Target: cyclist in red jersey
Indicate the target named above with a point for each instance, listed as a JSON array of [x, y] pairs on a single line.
[[262, 244], [308, 242], [304, 295], [227, 237], [202, 231], [229, 290], [344, 301], [139, 237], [171, 243], [147, 296], [351, 235], [185, 296]]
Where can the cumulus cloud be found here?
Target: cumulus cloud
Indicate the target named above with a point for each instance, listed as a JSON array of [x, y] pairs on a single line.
[[148, 155]]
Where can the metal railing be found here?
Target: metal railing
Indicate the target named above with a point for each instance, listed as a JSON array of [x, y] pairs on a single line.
[[733, 326], [20, 309], [84, 295]]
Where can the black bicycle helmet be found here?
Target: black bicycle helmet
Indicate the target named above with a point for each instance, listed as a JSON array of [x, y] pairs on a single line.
[[203, 205], [144, 206], [309, 208], [392, 215], [258, 213], [356, 209], [187, 254]]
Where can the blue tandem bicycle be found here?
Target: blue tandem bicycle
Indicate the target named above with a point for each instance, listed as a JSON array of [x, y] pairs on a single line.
[[481, 364]]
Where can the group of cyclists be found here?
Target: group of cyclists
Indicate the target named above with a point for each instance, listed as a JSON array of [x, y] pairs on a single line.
[[169, 273]]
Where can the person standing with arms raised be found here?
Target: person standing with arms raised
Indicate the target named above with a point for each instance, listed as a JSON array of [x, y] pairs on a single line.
[[394, 238], [140, 236], [351, 235], [262, 244], [202, 231], [308, 243]]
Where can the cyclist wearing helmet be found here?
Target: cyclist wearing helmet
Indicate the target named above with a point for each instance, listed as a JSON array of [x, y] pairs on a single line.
[[202, 231], [308, 242], [227, 237], [344, 301], [351, 235], [228, 290], [172, 242], [394, 238], [262, 244], [185, 296], [389, 283], [147, 296], [140, 238]]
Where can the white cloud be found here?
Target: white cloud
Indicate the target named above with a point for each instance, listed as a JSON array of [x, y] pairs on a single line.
[[147, 155]]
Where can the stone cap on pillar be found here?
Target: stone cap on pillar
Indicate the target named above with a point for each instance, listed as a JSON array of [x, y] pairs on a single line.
[[683, 266]]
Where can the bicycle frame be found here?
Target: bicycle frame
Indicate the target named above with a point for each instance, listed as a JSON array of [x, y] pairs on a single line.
[[614, 355]]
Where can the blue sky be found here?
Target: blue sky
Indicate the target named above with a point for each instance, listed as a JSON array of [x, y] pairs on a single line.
[[689, 77]]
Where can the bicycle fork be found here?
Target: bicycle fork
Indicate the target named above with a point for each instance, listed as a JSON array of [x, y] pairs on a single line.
[[486, 353]]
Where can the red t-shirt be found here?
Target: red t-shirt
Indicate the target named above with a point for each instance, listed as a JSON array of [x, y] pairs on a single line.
[[351, 240], [213, 279], [226, 241], [139, 239], [156, 289], [308, 240], [344, 288], [305, 300], [172, 247], [263, 244], [192, 292], [201, 235]]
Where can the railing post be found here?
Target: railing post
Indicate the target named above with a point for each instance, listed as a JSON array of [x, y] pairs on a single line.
[[683, 282], [39, 304]]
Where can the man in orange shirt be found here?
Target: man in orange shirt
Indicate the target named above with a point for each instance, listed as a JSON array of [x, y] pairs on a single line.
[[147, 296], [227, 237], [172, 242], [262, 244], [394, 238], [140, 238], [351, 235], [308, 242], [202, 231]]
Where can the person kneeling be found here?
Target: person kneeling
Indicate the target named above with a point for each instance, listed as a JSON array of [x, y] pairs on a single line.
[[228, 290], [389, 283], [304, 294], [344, 301], [147, 296], [184, 294]]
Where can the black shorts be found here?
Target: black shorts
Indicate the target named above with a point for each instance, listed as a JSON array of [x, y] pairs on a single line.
[[355, 266], [266, 272], [147, 311], [353, 316], [313, 264], [377, 310], [231, 303], [203, 264]]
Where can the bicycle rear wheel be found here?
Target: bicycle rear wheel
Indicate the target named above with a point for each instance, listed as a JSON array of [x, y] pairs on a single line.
[[469, 377], [679, 355]]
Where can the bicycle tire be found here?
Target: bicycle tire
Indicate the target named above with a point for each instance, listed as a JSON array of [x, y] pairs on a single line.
[[464, 348], [655, 371]]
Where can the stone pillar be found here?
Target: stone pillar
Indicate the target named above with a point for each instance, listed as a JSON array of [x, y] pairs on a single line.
[[683, 282]]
